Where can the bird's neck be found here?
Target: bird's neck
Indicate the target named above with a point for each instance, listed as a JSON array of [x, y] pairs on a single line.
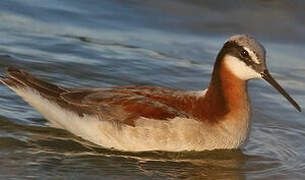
[[227, 94]]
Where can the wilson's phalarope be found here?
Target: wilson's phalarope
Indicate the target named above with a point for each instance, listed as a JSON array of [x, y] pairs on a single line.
[[136, 118]]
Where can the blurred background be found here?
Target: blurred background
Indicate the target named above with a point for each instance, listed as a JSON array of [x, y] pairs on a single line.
[[173, 43]]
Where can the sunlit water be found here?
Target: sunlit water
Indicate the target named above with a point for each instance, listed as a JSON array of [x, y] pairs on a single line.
[[158, 43]]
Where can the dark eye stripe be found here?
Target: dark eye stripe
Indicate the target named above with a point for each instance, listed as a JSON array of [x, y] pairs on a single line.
[[239, 52], [244, 53], [246, 57]]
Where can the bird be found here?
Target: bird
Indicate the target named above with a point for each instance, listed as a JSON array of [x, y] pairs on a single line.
[[144, 118]]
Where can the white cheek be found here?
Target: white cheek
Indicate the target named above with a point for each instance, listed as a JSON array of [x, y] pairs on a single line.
[[240, 69]]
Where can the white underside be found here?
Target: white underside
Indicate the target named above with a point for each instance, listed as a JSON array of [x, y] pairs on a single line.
[[174, 135]]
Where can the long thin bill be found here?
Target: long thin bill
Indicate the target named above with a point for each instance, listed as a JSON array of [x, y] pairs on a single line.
[[269, 79]]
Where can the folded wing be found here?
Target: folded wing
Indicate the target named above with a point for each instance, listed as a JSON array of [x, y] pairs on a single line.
[[121, 104]]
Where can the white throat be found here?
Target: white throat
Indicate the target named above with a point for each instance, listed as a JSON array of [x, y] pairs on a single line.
[[240, 69]]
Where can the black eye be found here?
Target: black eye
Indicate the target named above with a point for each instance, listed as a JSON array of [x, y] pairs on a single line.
[[244, 53]]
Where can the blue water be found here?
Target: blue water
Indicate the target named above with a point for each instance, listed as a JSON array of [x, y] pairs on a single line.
[[157, 43]]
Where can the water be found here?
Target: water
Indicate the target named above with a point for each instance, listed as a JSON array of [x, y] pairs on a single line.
[[159, 43]]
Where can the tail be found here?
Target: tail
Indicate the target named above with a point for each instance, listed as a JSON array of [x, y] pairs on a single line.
[[20, 79], [43, 96]]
